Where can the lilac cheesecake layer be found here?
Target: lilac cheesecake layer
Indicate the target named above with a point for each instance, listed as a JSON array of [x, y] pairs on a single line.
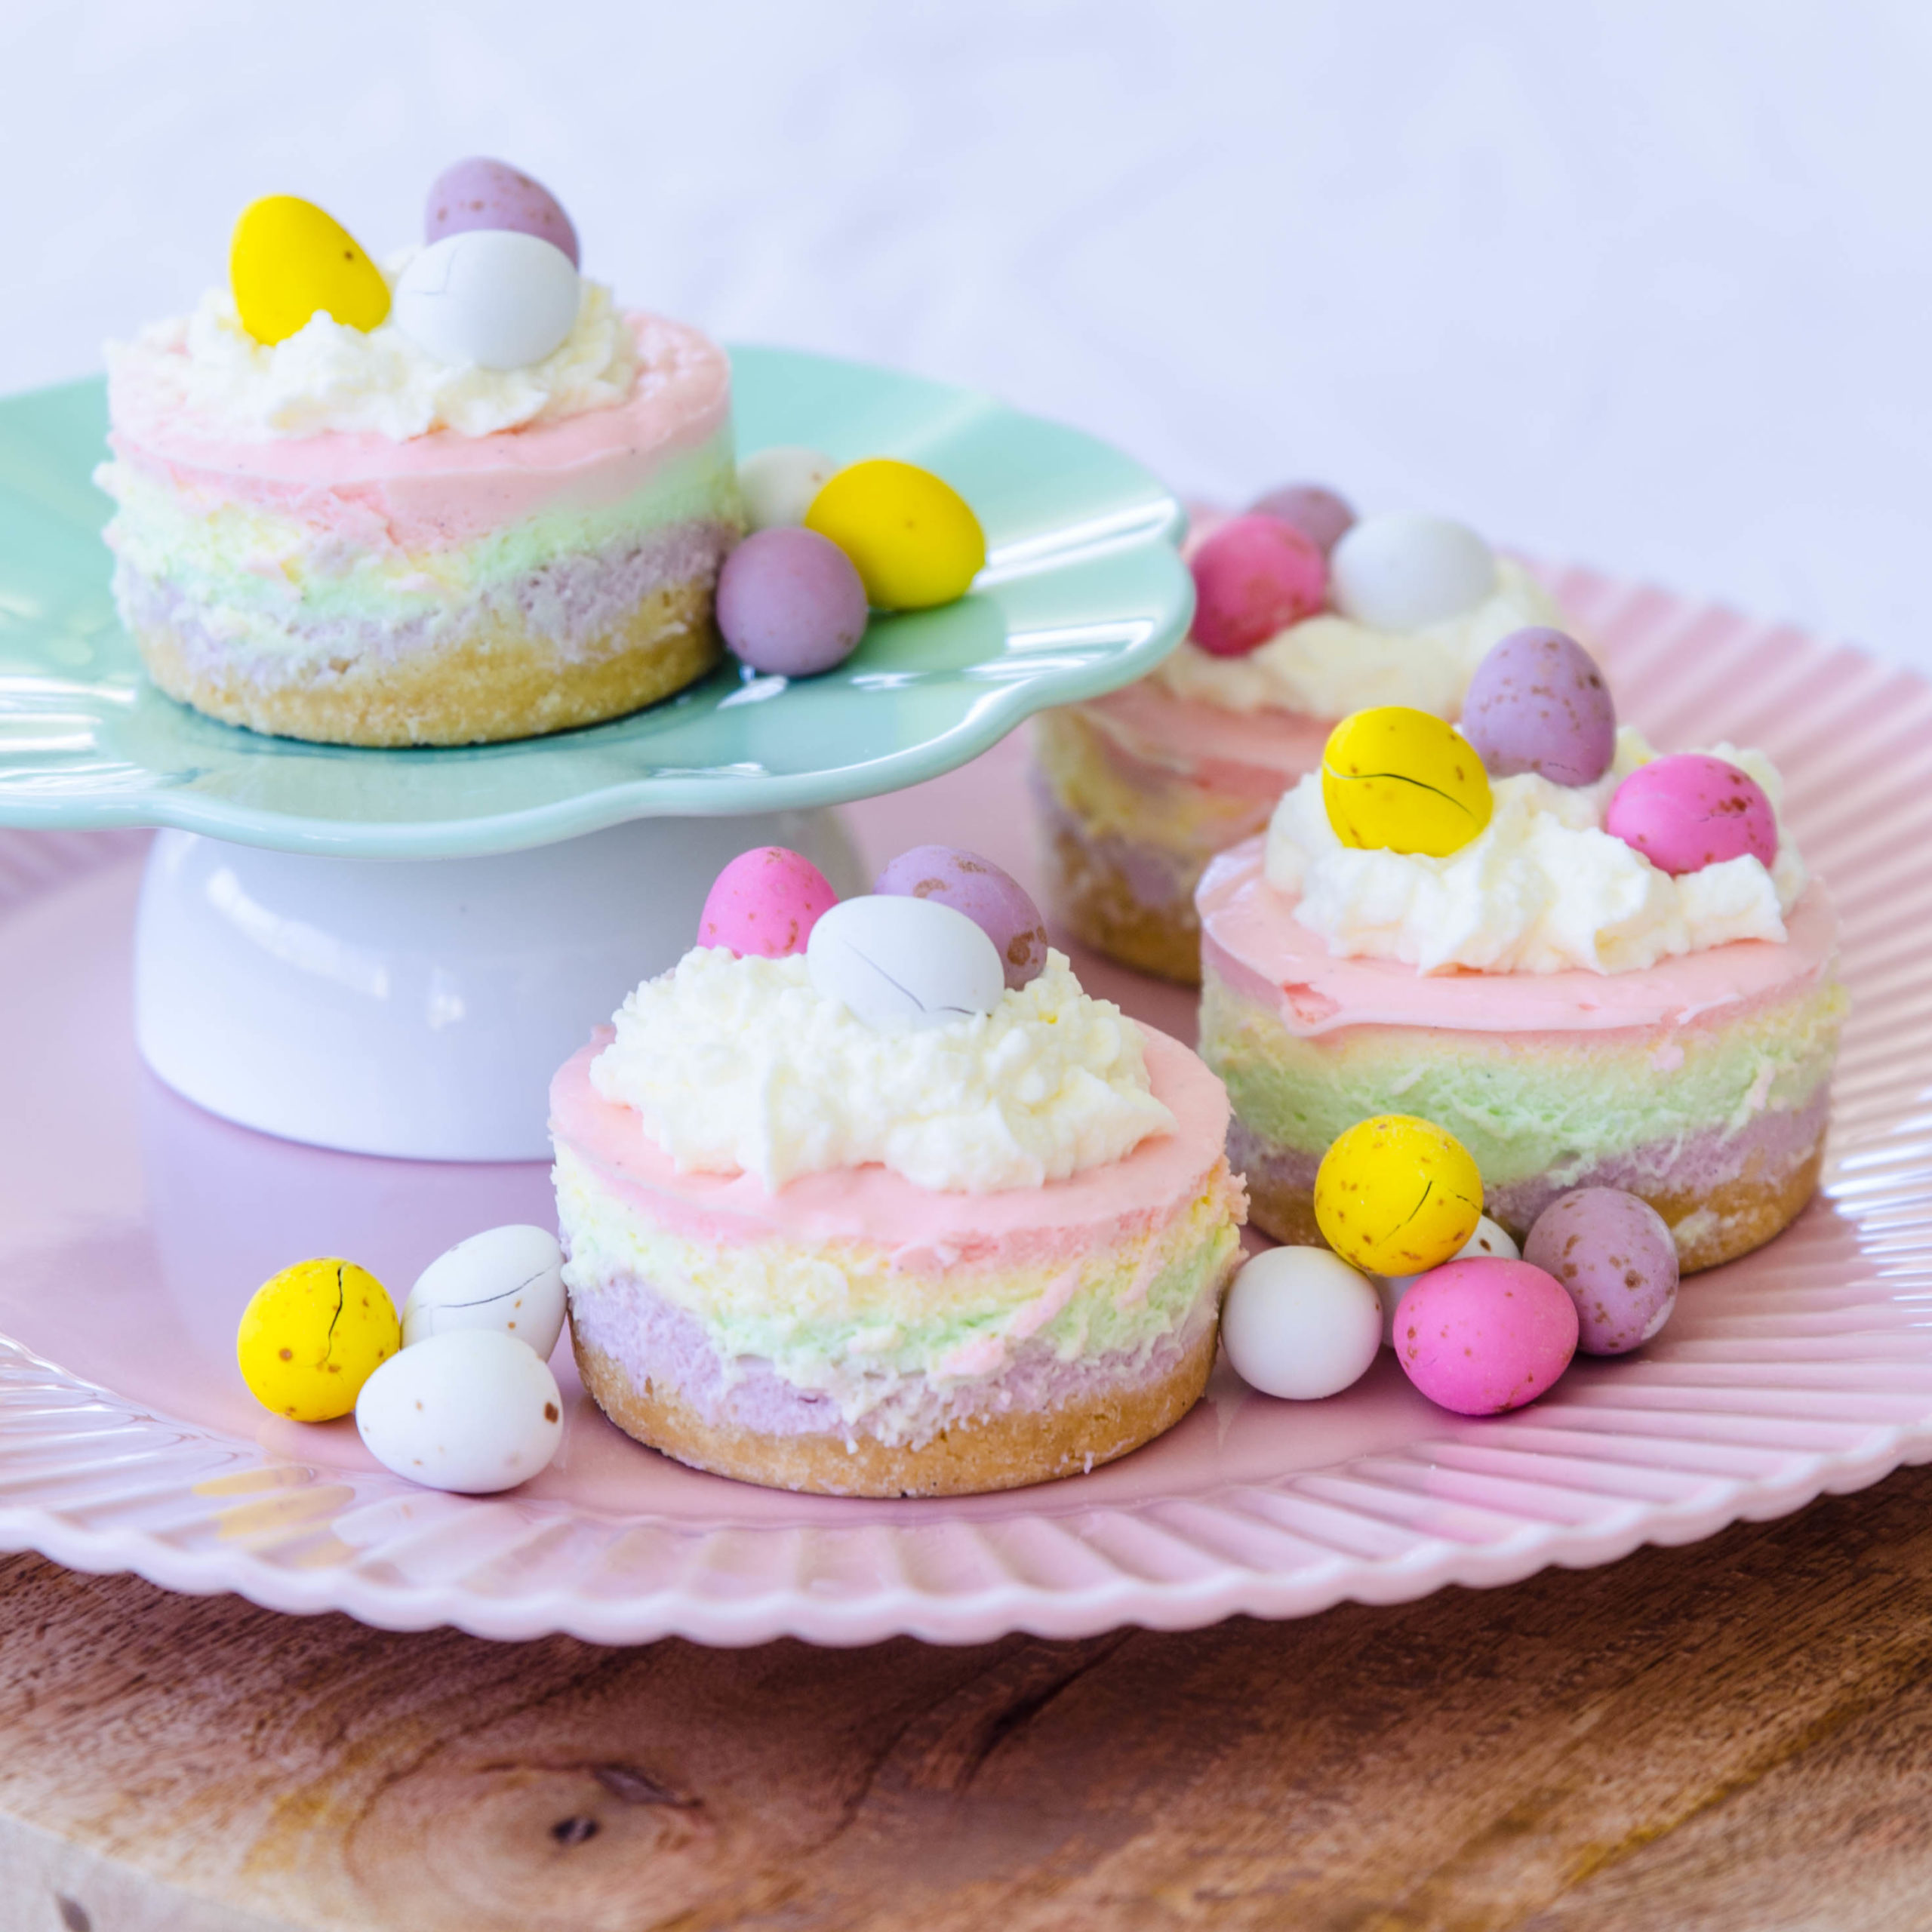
[[854, 1294], [573, 600], [652, 1339]]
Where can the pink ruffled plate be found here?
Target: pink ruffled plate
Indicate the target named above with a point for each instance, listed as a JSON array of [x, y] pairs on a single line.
[[132, 1228]]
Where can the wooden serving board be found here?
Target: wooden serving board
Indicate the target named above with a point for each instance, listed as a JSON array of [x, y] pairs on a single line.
[[1735, 1735]]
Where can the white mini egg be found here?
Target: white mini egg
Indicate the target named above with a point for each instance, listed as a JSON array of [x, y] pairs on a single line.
[[510, 1278], [1300, 1322], [779, 484], [1399, 573], [472, 1411], [1488, 1239], [899, 961], [489, 297]]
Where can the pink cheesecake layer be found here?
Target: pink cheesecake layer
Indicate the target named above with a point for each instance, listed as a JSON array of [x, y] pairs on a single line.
[[927, 1231], [443, 488], [1254, 944]]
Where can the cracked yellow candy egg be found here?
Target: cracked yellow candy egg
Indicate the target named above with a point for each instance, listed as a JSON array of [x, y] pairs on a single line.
[[312, 1335], [289, 260], [1396, 1194], [1402, 780]]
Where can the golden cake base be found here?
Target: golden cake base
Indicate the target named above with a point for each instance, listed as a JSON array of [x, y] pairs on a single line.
[[1730, 1221], [1094, 903], [498, 680], [1000, 1452]]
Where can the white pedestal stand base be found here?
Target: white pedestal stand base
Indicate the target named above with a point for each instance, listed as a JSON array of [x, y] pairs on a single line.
[[418, 1008]]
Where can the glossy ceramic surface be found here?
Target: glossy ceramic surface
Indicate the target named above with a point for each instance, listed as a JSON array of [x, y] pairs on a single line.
[[133, 1228], [1082, 591]]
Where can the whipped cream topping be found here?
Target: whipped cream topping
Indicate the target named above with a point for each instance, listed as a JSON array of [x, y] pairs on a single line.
[[740, 1066], [1543, 889], [1328, 665], [329, 377]]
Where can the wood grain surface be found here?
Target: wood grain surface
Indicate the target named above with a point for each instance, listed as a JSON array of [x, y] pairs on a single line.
[[1738, 1734]]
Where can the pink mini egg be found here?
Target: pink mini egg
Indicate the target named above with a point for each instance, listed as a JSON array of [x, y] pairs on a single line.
[[1482, 1336], [1691, 810], [1252, 578], [765, 903]]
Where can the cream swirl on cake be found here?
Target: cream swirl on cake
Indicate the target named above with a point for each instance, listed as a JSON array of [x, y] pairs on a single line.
[[328, 376], [1330, 664], [1543, 888], [740, 1066]]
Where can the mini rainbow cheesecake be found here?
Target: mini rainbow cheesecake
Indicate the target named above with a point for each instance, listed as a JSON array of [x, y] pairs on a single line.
[[1593, 966], [461, 497], [870, 1199], [1303, 615]]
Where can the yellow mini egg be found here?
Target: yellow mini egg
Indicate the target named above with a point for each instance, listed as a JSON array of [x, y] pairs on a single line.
[[288, 259], [1396, 1194], [1404, 781], [312, 1335], [913, 539]]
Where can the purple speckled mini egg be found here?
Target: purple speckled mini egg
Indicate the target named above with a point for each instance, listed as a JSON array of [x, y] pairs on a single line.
[[994, 901], [482, 193], [1480, 1337], [1320, 515], [790, 603], [1613, 1255], [764, 904], [1691, 810], [1538, 703]]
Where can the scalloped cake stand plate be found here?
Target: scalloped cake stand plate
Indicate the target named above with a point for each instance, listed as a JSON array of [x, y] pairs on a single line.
[[1083, 590], [132, 1228]]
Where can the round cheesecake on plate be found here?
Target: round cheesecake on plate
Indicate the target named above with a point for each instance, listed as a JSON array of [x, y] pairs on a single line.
[[1137, 790], [822, 1237], [390, 530], [1573, 1012]]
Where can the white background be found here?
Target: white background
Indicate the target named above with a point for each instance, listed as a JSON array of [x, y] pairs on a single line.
[[1645, 284]]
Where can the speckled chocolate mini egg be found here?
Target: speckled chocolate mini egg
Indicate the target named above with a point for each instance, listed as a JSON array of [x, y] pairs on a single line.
[[1691, 810], [471, 1411], [790, 604], [489, 298], [1538, 703], [765, 903], [1399, 573], [1323, 518], [1397, 779], [991, 897], [896, 962], [1254, 577], [289, 261], [1300, 1323], [1482, 1336], [1490, 1241], [312, 1335], [1612, 1253], [1397, 1194], [482, 193]]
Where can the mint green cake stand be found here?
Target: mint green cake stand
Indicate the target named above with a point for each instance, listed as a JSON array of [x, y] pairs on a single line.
[[387, 951]]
